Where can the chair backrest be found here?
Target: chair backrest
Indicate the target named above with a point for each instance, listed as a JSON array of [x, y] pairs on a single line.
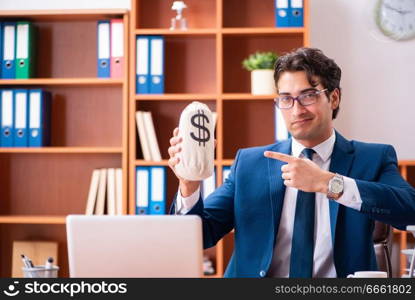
[[382, 239], [381, 232]]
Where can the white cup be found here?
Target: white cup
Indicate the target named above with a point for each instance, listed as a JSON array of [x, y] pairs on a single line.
[[368, 274]]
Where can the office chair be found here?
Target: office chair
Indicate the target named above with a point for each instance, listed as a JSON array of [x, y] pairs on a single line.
[[382, 235]]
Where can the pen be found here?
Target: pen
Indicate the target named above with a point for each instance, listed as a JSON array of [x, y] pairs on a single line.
[[49, 263], [29, 262], [24, 260]]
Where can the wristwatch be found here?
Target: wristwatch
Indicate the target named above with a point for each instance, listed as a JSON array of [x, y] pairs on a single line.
[[336, 187]]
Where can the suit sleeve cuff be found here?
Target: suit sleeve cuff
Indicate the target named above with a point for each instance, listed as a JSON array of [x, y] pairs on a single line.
[[351, 195], [185, 204]]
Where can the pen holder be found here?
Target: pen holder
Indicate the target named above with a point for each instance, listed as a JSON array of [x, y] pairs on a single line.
[[40, 272]]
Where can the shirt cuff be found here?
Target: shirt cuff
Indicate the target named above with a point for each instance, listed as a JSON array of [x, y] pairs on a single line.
[[351, 196], [185, 204]]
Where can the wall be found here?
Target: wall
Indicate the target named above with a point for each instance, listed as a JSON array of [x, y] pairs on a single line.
[[378, 102]]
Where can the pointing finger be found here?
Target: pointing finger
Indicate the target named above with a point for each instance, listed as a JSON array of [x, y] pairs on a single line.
[[279, 156]]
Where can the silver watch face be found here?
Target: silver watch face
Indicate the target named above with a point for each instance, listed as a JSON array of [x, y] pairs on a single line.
[[336, 186]]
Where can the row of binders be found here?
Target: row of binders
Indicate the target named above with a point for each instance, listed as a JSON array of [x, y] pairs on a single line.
[[25, 117], [150, 64], [17, 50], [289, 13], [105, 192], [110, 62], [151, 190], [147, 136]]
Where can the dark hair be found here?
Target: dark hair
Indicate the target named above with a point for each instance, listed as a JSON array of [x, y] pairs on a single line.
[[315, 64]]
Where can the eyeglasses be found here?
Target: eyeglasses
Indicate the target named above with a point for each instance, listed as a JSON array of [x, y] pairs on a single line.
[[308, 98]]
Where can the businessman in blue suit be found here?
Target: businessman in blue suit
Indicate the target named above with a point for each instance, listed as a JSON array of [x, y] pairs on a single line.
[[303, 207]]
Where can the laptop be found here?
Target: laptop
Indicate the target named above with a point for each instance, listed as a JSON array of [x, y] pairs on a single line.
[[135, 246]]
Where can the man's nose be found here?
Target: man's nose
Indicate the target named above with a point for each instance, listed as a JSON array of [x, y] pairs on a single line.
[[298, 109]]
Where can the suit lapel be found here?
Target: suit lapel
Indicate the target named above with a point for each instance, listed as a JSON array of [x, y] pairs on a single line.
[[341, 161], [276, 185]]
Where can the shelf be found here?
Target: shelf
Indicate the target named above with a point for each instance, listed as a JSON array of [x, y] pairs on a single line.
[[63, 14], [32, 219], [164, 162], [62, 81], [262, 31], [225, 31], [141, 162], [63, 150], [196, 32], [247, 96], [212, 276], [175, 97], [406, 163], [227, 162]]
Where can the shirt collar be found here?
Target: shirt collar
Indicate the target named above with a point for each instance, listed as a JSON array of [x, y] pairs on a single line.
[[324, 149]]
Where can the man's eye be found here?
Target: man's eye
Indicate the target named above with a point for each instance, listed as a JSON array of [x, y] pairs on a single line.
[[309, 95]]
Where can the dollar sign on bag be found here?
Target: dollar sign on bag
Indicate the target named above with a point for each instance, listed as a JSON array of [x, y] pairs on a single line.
[[198, 121]]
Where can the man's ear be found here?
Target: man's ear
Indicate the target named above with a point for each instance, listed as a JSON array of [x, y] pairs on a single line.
[[335, 99]]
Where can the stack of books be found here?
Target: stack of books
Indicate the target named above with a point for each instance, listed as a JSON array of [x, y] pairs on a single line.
[[105, 192], [147, 136]]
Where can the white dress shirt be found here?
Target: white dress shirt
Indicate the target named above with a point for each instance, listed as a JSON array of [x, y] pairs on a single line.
[[323, 263]]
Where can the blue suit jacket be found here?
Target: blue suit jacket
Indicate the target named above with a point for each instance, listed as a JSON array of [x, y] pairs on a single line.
[[251, 200]]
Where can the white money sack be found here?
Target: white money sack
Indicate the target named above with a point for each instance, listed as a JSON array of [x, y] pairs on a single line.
[[196, 128]]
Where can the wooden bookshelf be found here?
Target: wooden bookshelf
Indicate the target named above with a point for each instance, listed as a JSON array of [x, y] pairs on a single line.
[[203, 63], [41, 186]]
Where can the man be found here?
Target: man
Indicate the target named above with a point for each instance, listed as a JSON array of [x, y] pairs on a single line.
[[304, 207]]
